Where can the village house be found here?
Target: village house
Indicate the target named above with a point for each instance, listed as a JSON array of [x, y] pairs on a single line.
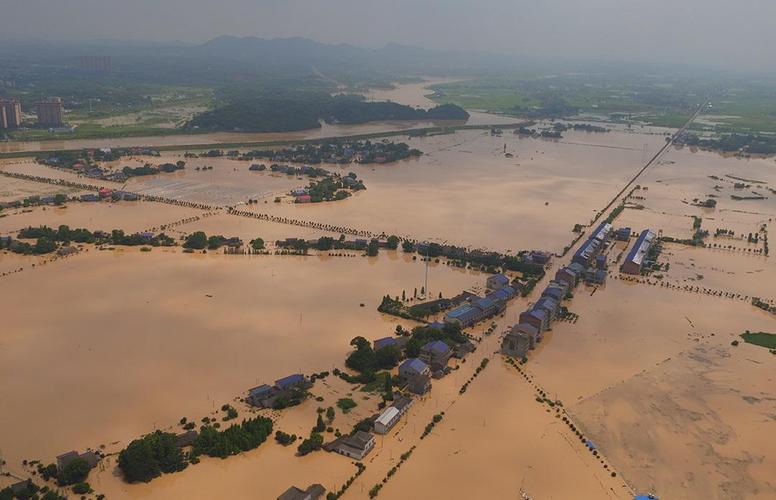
[[264, 396], [436, 354], [313, 492], [593, 245], [391, 415], [481, 308], [186, 438], [89, 457], [533, 333], [502, 295], [539, 257], [595, 276], [550, 306], [496, 282], [416, 375], [567, 276], [536, 317], [356, 446], [634, 261], [89, 197], [383, 342], [515, 344], [622, 234], [554, 291]]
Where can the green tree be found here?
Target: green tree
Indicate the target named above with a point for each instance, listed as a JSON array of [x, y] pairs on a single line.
[[146, 458], [44, 245], [313, 443], [59, 198], [372, 248], [76, 471], [387, 357], [320, 425], [257, 244], [196, 241], [407, 246], [393, 242]]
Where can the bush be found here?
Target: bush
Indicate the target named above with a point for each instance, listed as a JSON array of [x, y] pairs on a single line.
[[235, 439], [81, 488], [148, 457], [346, 404], [284, 439], [313, 443], [74, 472]]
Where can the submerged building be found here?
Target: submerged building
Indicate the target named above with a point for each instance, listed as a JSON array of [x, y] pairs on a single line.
[[634, 261]]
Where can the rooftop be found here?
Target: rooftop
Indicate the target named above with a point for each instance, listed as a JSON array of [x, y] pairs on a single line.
[[290, 380], [413, 364], [436, 347]]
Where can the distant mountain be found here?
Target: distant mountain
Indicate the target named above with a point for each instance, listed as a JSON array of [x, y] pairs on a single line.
[[304, 54]]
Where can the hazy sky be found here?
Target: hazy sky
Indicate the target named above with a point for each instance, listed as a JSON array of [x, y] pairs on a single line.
[[707, 32]]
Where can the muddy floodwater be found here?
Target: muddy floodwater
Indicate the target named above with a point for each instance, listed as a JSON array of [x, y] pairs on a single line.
[[105, 344]]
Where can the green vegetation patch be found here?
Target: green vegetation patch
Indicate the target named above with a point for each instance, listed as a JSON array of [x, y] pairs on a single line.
[[762, 339], [346, 404]]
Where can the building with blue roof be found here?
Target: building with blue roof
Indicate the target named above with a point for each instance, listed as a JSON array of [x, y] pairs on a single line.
[[554, 292], [383, 342], [550, 306], [535, 317], [593, 245], [416, 375], [496, 282], [502, 294], [634, 261], [528, 330], [436, 354], [264, 396], [290, 381], [516, 344], [412, 366]]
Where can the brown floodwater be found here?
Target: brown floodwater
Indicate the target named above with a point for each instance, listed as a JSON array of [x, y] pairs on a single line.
[[465, 191], [149, 336]]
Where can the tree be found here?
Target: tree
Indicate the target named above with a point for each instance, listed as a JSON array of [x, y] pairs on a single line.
[[320, 426], [146, 458], [393, 242], [387, 357], [81, 488], [407, 246], [44, 245], [372, 248], [330, 414], [59, 199], [76, 471], [388, 383], [311, 444], [180, 164], [325, 243], [363, 359], [196, 241], [257, 244]]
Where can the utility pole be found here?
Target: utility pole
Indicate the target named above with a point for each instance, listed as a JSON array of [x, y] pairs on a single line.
[[425, 287]]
